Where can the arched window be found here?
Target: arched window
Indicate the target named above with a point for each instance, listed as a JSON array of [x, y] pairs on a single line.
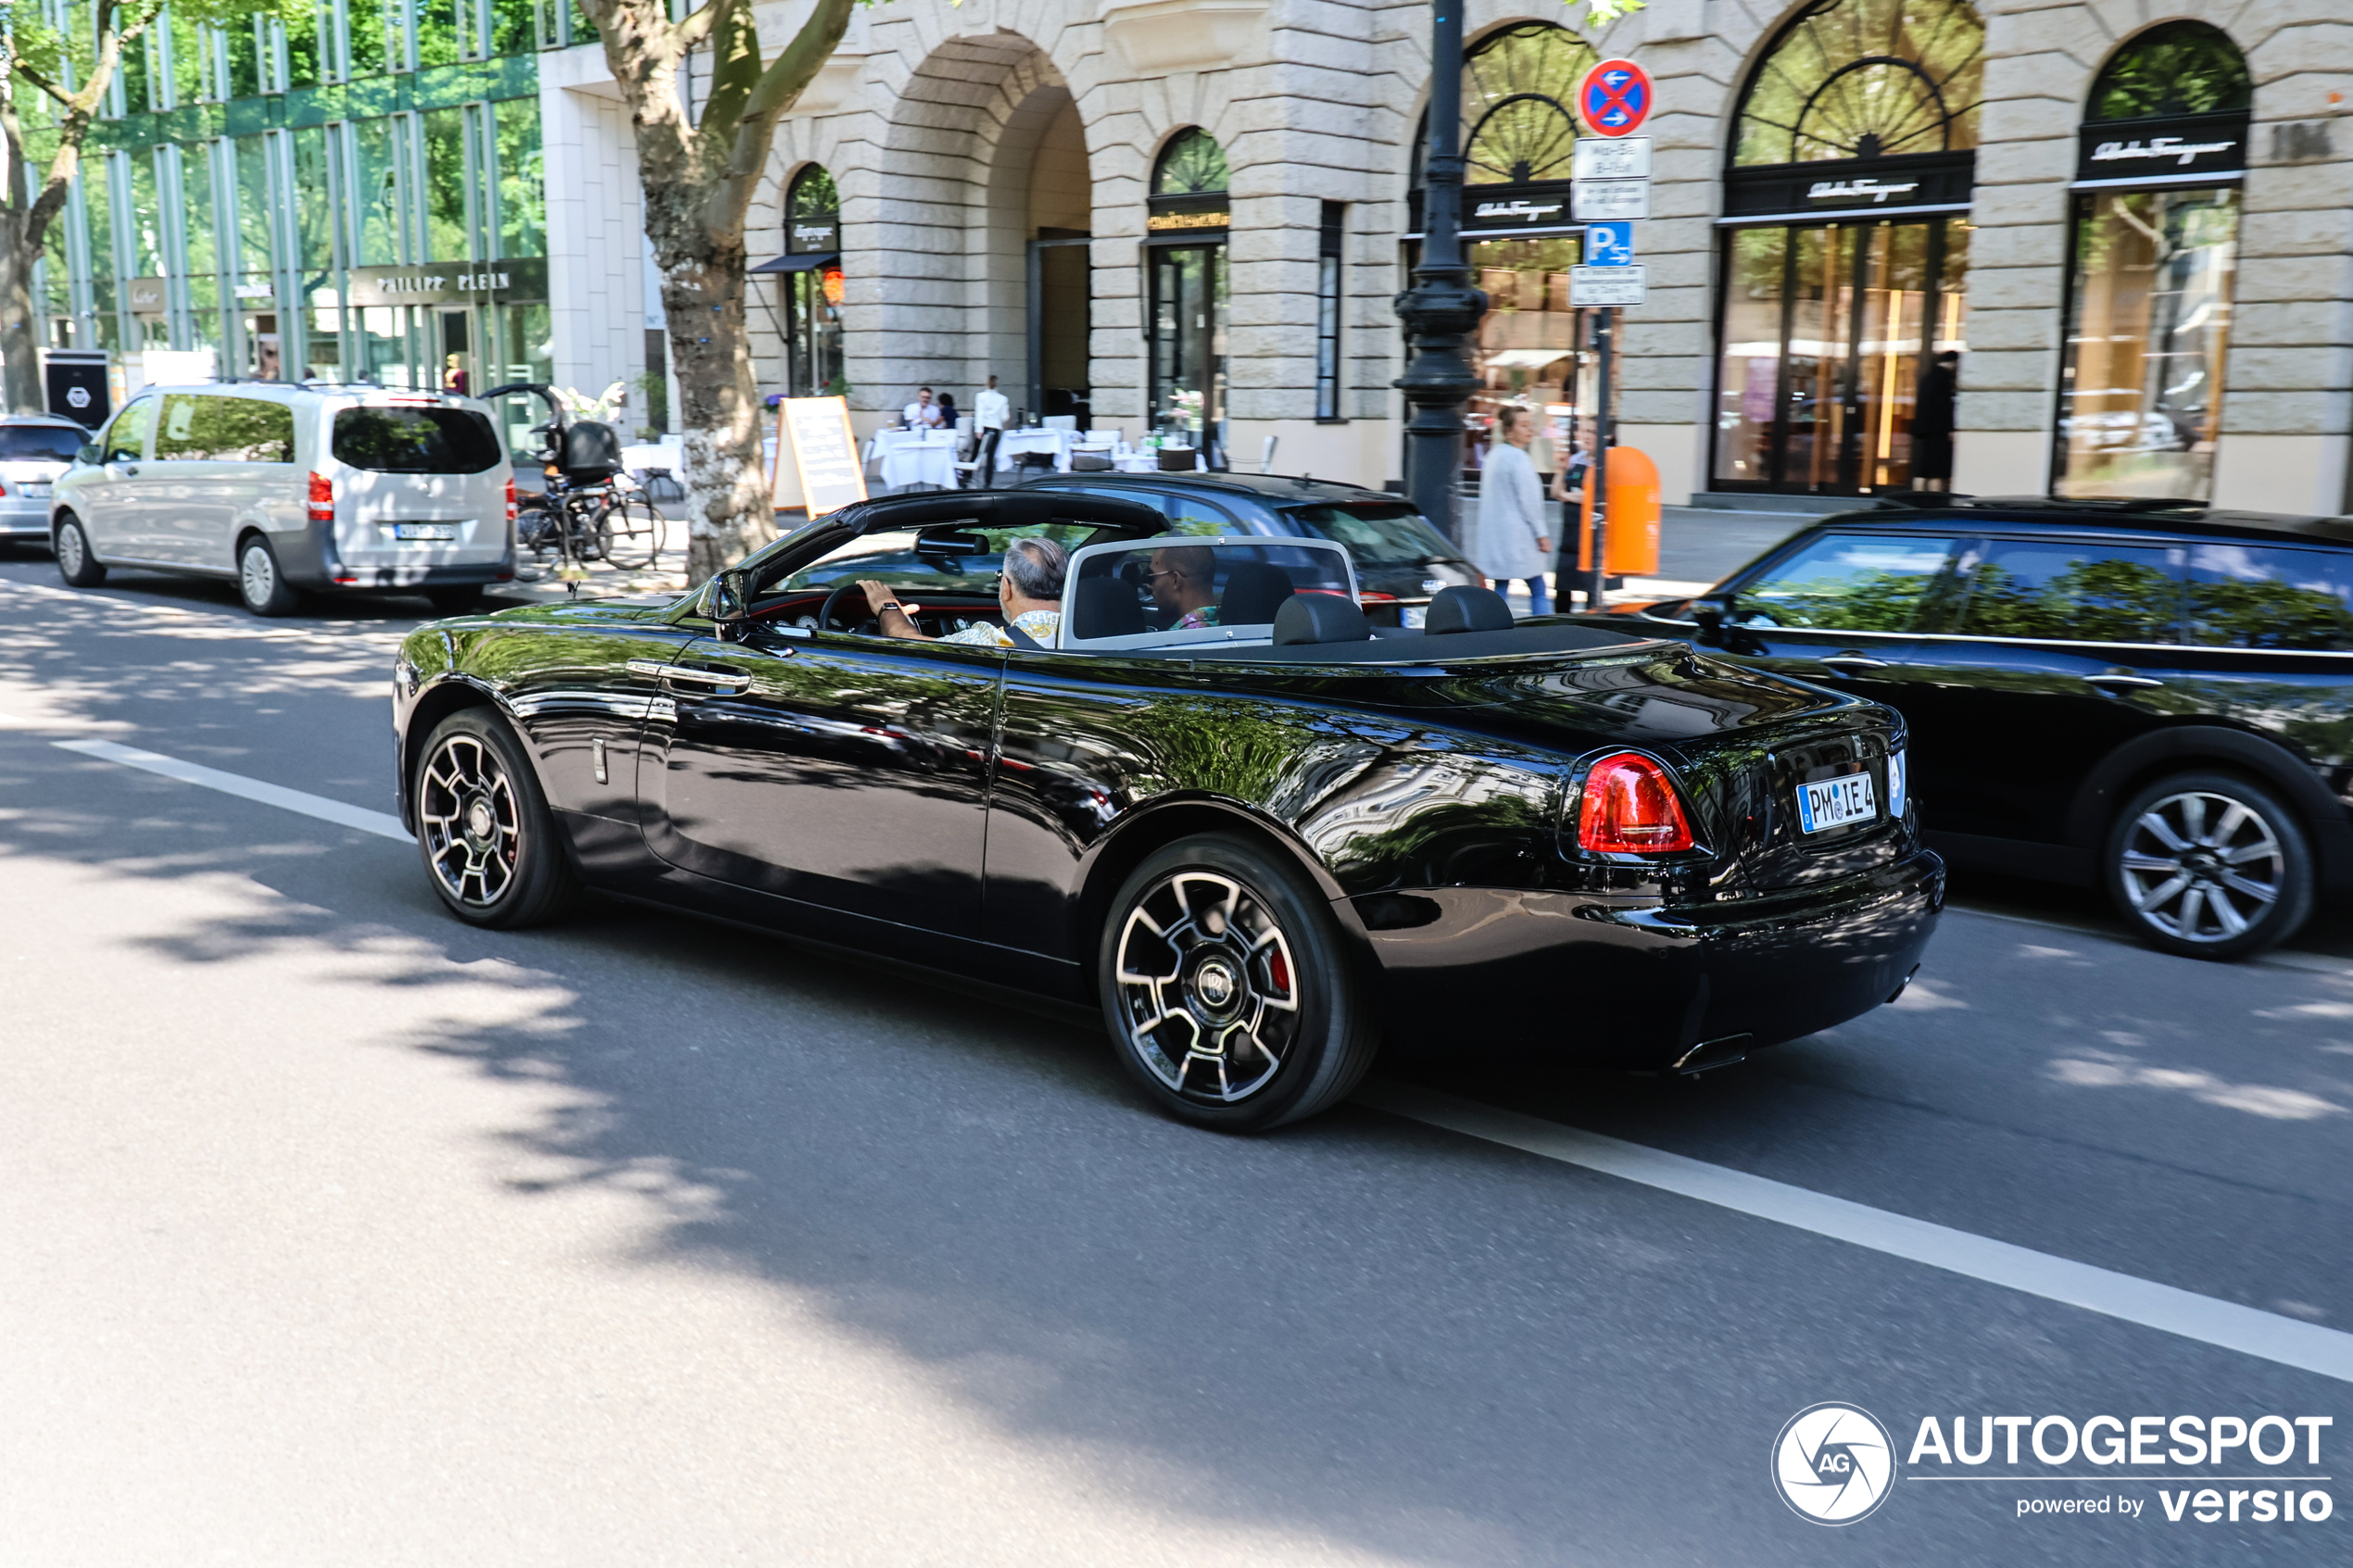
[[2175, 69], [2162, 150], [1865, 79], [1192, 165], [1517, 124], [812, 212]]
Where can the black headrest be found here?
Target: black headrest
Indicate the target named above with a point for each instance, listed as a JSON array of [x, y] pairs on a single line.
[[1320, 618], [1254, 590], [1467, 609], [1104, 607]]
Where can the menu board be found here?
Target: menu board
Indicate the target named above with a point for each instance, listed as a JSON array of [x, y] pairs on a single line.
[[824, 452]]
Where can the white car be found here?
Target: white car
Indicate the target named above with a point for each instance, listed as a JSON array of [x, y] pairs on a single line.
[[287, 490], [35, 450]]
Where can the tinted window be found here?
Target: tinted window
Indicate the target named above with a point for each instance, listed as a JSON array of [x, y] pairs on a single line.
[[40, 443], [1192, 515], [415, 440], [1174, 590], [126, 439], [1847, 582], [224, 430], [2074, 592], [892, 557], [2256, 596], [1375, 534]]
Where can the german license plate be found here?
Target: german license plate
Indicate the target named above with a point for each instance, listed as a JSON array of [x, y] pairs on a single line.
[[424, 531], [1833, 803]]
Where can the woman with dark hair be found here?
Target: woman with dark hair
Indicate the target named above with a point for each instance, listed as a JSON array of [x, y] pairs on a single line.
[[1933, 424]]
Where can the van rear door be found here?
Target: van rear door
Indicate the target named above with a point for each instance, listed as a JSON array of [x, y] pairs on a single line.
[[419, 482]]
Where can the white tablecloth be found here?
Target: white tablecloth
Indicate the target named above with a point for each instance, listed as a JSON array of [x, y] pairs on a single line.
[[1014, 443], [907, 457]]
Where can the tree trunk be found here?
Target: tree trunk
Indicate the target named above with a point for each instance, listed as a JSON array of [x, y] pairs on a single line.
[[730, 509], [20, 342]]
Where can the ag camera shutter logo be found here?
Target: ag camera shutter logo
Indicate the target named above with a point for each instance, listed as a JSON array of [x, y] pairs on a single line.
[[1834, 1463]]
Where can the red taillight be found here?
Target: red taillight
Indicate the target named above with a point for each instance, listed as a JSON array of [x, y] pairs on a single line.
[[1369, 598], [1630, 808], [322, 498], [510, 497]]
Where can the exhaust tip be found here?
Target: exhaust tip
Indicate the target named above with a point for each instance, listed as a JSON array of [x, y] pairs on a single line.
[[1711, 1054]]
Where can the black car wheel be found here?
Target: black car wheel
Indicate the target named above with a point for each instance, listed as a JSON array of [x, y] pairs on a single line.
[[2211, 866], [75, 563], [489, 841], [1227, 991], [261, 583]]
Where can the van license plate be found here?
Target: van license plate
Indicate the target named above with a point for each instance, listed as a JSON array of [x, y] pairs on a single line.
[[424, 531], [1833, 803]]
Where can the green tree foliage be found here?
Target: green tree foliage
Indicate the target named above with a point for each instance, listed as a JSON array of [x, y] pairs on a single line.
[[2262, 613], [2107, 601]]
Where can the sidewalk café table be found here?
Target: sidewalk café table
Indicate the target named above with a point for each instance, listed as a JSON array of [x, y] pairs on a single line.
[[1014, 443], [916, 458]]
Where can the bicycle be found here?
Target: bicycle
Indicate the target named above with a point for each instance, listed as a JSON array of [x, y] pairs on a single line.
[[590, 509]]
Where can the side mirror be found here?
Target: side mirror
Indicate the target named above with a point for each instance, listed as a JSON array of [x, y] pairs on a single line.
[[88, 453], [1710, 614], [728, 605]]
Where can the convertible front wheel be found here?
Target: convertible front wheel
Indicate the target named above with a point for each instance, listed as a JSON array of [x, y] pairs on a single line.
[[1228, 995], [489, 841]]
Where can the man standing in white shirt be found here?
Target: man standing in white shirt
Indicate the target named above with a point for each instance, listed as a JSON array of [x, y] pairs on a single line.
[[991, 411]]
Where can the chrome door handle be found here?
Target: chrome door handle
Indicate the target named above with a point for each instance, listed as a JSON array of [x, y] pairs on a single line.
[[2121, 683], [1853, 661], [724, 682]]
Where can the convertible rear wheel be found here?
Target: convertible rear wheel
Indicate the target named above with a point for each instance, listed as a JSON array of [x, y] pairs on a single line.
[[2211, 866], [1228, 994], [489, 841]]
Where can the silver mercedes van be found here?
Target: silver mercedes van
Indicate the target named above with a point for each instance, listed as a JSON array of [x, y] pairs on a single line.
[[287, 490]]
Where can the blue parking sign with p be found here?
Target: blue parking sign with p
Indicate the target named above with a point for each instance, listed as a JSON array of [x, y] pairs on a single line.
[[1609, 245]]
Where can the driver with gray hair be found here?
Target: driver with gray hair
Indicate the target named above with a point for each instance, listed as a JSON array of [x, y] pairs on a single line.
[[1029, 591]]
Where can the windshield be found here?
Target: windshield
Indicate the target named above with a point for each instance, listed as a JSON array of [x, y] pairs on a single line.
[[40, 443], [893, 558], [415, 440], [1374, 532], [1169, 592]]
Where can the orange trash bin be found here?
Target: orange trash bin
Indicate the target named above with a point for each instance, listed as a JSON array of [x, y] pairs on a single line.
[[1633, 516]]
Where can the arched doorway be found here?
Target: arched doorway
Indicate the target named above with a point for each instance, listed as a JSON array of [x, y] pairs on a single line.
[[1186, 234], [2154, 256], [1058, 302], [1518, 140], [1845, 252], [813, 283]]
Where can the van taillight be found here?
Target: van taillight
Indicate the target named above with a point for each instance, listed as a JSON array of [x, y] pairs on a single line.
[[322, 498], [510, 497], [1630, 808]]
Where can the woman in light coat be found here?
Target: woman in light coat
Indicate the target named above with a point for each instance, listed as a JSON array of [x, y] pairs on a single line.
[[1509, 539]]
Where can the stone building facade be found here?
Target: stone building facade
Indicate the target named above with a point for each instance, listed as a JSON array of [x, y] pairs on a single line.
[[1192, 216]]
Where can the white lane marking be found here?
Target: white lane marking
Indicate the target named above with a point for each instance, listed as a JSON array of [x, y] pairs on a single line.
[[381, 824], [2248, 1330]]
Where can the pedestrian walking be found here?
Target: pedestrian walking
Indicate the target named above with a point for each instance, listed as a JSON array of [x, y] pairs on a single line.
[[1568, 489], [1509, 539], [992, 410], [1933, 424]]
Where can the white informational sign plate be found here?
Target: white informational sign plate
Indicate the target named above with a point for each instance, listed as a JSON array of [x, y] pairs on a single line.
[[1597, 158], [1606, 285], [1601, 200]]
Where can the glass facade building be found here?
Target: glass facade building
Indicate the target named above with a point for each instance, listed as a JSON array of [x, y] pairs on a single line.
[[354, 193]]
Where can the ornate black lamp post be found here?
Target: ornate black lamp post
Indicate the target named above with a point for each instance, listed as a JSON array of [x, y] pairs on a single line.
[[1441, 307]]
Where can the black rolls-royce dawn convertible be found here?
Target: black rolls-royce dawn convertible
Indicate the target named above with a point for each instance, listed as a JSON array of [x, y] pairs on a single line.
[[1208, 798]]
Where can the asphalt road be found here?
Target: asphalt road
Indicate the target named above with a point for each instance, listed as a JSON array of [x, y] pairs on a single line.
[[340, 1233]]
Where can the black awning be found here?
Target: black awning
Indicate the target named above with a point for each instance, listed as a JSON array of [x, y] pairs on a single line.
[[807, 263]]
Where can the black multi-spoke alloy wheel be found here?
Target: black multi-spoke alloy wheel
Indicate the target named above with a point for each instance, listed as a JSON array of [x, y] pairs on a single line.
[[2209, 866], [482, 825], [1226, 990], [75, 563], [261, 583]]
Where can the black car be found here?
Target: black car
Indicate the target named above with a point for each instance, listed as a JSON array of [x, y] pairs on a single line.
[[1257, 835], [2151, 697], [1401, 560]]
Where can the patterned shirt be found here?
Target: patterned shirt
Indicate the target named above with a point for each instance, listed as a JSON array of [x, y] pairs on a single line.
[[1195, 620], [1042, 625]]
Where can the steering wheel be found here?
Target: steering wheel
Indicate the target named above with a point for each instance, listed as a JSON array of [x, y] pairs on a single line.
[[825, 614]]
